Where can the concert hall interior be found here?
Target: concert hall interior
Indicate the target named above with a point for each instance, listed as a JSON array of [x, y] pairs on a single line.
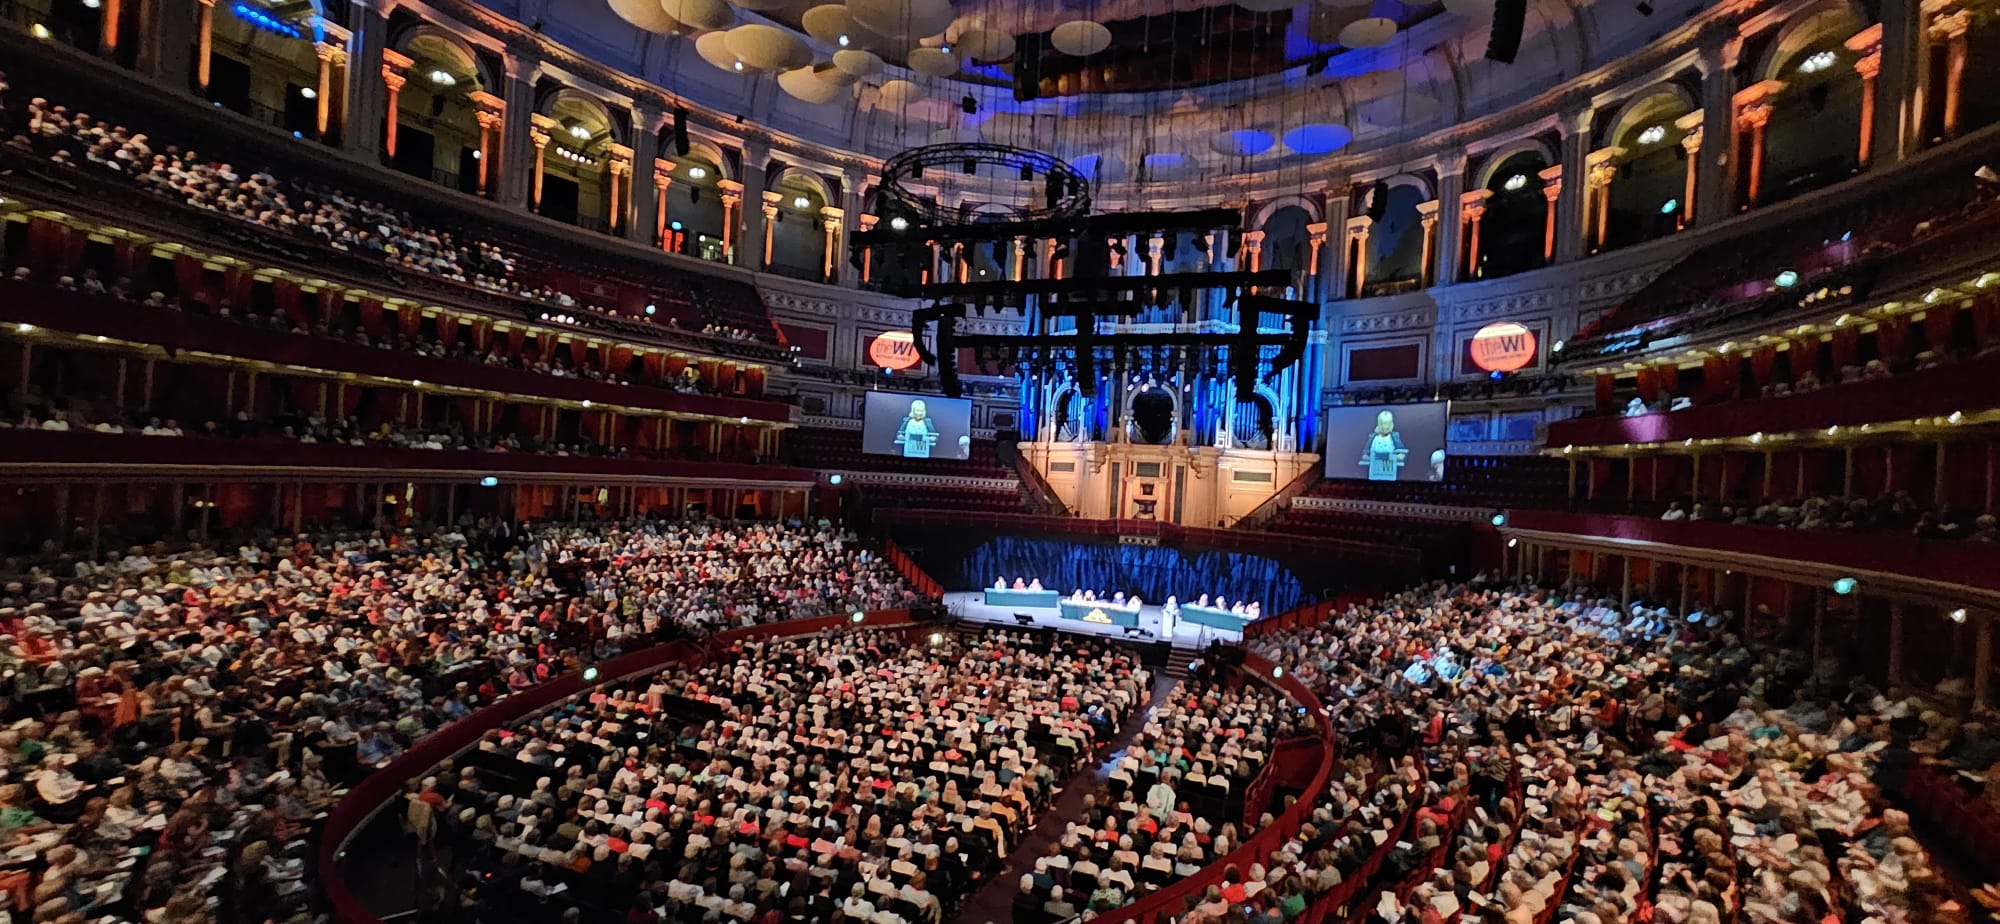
[[999, 461]]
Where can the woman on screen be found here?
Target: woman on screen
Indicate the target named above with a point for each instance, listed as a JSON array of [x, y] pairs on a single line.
[[917, 434], [1385, 453]]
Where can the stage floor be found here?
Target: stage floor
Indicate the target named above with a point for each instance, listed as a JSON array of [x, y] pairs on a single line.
[[970, 606]]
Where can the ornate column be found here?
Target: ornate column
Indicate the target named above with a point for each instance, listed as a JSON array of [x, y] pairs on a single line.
[[1753, 113], [732, 200], [361, 115], [540, 129], [1691, 144], [1051, 268], [1336, 260], [395, 73], [618, 158], [1571, 209], [756, 155], [107, 35], [1600, 168], [1472, 211], [491, 114], [852, 182], [1715, 179], [1357, 241], [1315, 245], [1947, 26], [518, 159], [204, 42], [1253, 249], [663, 182], [829, 223], [1867, 47], [1552, 185], [1427, 214], [330, 57], [643, 224], [1218, 250], [1154, 246], [769, 210], [867, 223], [1020, 258]]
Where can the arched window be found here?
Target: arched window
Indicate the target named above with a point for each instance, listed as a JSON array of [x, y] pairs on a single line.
[[1395, 255], [1512, 234], [1651, 178], [437, 135], [1816, 117]]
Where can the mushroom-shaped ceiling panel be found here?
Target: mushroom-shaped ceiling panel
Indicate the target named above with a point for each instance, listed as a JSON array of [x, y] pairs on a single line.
[[768, 48], [646, 14], [700, 14]]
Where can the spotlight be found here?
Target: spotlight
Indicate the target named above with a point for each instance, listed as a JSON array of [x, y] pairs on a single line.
[[1499, 518], [1513, 542], [1277, 672], [857, 617], [1957, 615], [844, 40], [654, 309], [1845, 586], [937, 637], [899, 223], [308, 93], [42, 32], [696, 173], [489, 482], [1787, 279], [590, 674], [834, 479]]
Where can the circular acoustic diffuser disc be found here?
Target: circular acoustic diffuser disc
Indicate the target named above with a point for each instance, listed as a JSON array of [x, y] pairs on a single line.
[[646, 14], [1318, 138], [1240, 142], [933, 62], [898, 92], [1080, 38], [986, 44], [833, 75], [1373, 32], [907, 19], [1266, 6], [806, 87], [768, 48], [829, 21], [857, 63], [714, 48], [1470, 9], [1323, 23], [700, 14]]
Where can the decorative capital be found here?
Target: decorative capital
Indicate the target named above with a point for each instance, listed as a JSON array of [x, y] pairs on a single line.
[[1601, 166], [1691, 125], [1427, 213], [1474, 199], [620, 158], [486, 102], [540, 129], [830, 217], [1357, 227], [867, 222], [331, 54], [663, 175], [1316, 232], [1951, 26], [1552, 181], [1866, 42], [1753, 103]]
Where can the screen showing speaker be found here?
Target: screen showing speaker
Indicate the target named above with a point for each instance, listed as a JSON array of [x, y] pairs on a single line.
[[916, 426], [1387, 442]]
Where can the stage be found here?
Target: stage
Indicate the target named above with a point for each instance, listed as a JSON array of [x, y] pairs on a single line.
[[970, 605]]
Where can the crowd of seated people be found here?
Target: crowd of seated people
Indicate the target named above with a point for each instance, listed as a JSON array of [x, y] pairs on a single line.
[[1889, 512], [179, 722], [1621, 765], [1165, 809], [421, 342], [304, 210], [844, 776]]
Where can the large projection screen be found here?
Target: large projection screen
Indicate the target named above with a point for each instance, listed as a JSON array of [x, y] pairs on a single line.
[[1387, 442], [916, 426]]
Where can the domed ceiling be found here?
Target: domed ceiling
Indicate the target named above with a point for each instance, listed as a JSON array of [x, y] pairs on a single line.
[[1133, 91]]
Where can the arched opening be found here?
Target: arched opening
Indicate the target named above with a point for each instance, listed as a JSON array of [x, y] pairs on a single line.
[[1513, 232], [1255, 422], [1070, 425], [1652, 174], [798, 235], [1812, 139], [1153, 413], [989, 261], [264, 68], [1978, 108], [576, 169], [1395, 255], [694, 204], [1286, 239], [437, 125]]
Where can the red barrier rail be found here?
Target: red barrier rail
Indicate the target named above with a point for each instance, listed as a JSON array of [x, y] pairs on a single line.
[[379, 788], [318, 462], [100, 315], [1969, 564]]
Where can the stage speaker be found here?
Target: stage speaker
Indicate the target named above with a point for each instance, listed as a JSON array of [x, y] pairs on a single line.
[[681, 132], [1028, 67], [1508, 18]]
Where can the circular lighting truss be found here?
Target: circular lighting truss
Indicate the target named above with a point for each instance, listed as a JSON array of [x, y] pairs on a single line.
[[916, 182]]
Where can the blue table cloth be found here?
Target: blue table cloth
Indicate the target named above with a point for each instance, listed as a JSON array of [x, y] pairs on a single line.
[[1213, 618], [1033, 599]]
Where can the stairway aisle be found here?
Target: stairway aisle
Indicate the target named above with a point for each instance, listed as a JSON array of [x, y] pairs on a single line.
[[994, 903]]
